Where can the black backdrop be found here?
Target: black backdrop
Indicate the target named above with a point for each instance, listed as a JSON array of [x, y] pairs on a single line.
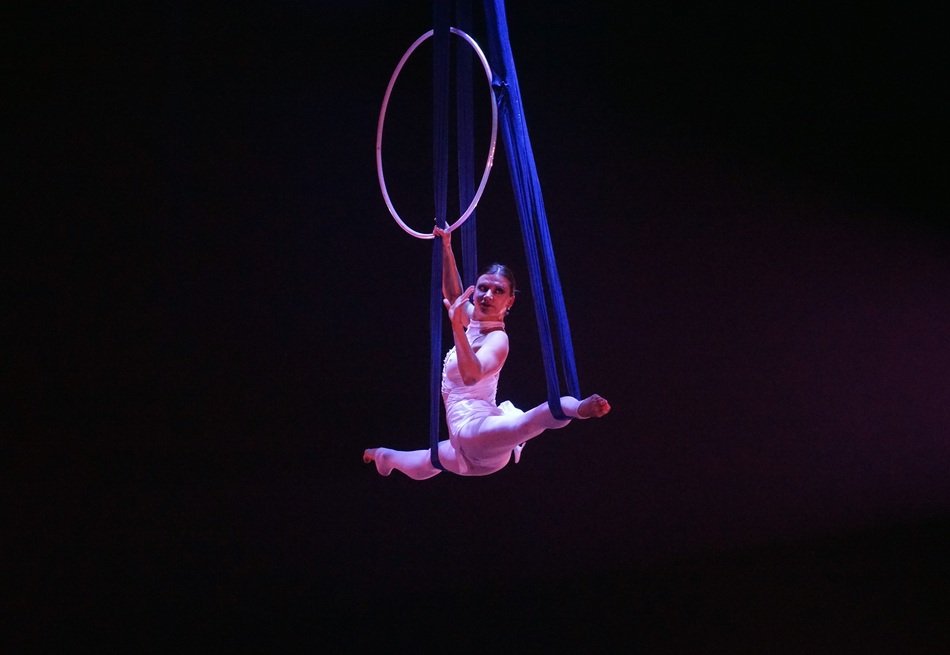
[[210, 314]]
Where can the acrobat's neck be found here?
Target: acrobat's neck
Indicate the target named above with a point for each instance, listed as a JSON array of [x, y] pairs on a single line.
[[485, 326]]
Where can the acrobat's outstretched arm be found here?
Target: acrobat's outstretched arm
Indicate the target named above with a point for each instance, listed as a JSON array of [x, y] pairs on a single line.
[[451, 280]]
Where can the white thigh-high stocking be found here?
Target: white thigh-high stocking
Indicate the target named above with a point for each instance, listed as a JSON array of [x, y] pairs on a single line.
[[417, 464], [497, 434], [491, 437], [414, 463]]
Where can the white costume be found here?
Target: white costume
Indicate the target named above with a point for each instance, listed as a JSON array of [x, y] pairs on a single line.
[[482, 435], [467, 407]]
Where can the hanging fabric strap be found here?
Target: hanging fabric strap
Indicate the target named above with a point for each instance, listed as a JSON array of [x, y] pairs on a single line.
[[440, 174], [465, 134], [539, 250], [466, 188]]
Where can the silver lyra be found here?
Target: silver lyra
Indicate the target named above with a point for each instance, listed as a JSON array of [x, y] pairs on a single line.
[[382, 119]]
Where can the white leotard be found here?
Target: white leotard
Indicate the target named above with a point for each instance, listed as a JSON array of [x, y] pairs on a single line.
[[466, 406], [483, 435]]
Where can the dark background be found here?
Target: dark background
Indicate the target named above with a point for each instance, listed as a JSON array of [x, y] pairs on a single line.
[[210, 313]]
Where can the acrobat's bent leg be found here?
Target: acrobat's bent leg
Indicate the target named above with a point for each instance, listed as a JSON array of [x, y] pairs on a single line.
[[500, 433], [417, 464]]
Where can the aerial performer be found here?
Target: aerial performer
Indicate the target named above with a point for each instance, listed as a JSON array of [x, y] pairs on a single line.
[[483, 435]]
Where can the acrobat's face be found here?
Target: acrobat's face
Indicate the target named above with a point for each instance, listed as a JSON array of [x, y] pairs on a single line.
[[492, 297]]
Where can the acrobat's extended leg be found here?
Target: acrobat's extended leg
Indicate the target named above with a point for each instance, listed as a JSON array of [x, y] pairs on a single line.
[[417, 464], [498, 434]]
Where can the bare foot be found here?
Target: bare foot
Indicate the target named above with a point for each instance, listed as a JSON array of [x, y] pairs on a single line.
[[593, 406], [373, 455]]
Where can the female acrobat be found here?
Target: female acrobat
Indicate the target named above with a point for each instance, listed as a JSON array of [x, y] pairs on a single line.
[[483, 435]]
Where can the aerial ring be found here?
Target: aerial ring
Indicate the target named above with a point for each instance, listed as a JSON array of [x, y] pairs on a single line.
[[382, 119]]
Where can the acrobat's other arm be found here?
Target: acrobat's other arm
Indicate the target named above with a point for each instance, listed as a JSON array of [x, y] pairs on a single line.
[[491, 354]]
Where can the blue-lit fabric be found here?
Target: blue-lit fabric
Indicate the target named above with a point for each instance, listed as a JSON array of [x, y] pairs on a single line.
[[465, 133], [466, 187], [539, 251], [440, 173]]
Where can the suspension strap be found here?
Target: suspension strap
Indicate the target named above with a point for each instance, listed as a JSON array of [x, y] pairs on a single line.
[[440, 172], [545, 282]]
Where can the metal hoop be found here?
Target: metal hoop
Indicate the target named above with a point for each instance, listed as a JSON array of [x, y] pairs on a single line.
[[382, 118]]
